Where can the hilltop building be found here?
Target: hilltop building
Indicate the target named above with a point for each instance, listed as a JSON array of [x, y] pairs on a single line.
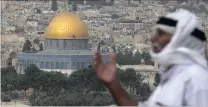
[[66, 47]]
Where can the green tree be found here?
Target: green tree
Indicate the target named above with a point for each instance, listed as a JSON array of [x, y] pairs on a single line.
[[60, 80], [145, 55], [69, 2], [48, 82], [38, 11], [33, 49], [157, 79], [147, 58], [86, 79], [54, 5], [40, 47], [74, 7], [137, 58], [9, 79], [128, 58], [12, 56], [33, 73], [27, 46], [76, 80], [81, 88], [144, 91], [119, 58], [23, 84], [36, 41], [129, 78], [13, 95], [132, 81], [6, 99]]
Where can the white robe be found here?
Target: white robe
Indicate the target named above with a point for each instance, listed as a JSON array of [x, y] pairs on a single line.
[[186, 82], [186, 85]]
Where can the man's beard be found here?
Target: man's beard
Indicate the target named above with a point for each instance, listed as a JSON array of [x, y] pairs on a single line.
[[156, 47]]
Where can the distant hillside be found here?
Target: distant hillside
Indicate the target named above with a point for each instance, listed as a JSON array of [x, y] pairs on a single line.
[[198, 9]]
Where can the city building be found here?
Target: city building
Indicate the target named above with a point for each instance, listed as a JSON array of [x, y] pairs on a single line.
[[66, 47]]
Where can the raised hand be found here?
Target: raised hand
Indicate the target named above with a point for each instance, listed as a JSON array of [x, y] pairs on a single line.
[[105, 72]]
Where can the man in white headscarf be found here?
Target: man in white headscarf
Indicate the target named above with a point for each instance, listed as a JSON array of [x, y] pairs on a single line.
[[179, 48]]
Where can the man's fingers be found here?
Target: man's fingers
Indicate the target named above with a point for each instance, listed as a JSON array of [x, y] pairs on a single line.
[[112, 58], [97, 53], [97, 60]]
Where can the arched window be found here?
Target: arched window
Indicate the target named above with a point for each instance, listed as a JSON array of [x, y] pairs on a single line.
[[83, 65], [28, 62], [62, 65], [68, 65], [52, 65], [51, 44], [47, 65], [65, 43], [42, 64], [57, 43], [57, 65], [78, 65], [78, 45], [32, 61]]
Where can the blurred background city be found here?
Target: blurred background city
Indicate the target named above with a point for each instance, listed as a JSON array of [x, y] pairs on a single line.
[[47, 48]]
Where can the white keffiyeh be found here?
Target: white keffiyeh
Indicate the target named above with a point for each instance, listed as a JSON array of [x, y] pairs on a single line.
[[183, 48]]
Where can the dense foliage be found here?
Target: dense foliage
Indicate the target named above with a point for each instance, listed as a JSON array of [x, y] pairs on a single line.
[[128, 58], [78, 89], [157, 79], [28, 46]]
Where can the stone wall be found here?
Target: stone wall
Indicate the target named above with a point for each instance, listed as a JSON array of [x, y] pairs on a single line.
[[55, 62]]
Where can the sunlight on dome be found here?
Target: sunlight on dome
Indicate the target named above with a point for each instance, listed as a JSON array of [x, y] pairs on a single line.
[[67, 26]]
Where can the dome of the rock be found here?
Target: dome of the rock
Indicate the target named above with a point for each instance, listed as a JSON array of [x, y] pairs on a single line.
[[67, 26]]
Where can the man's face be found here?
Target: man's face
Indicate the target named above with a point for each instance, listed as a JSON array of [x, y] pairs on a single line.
[[160, 40]]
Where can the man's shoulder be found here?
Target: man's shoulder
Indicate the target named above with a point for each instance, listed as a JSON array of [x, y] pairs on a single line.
[[195, 74], [192, 69]]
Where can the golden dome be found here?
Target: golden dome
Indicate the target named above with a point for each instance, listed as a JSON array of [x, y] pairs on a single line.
[[66, 26]]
